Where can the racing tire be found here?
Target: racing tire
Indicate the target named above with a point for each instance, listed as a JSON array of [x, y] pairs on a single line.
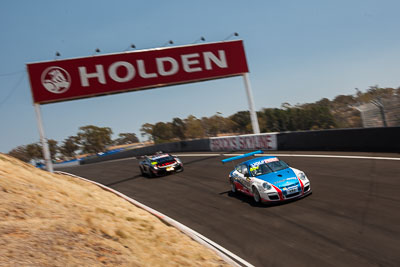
[[256, 196], [141, 171], [151, 174], [233, 187]]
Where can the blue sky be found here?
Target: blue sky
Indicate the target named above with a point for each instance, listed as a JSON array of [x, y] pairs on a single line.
[[297, 51]]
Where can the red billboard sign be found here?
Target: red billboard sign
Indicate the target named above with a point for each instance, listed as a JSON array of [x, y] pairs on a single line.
[[68, 79]]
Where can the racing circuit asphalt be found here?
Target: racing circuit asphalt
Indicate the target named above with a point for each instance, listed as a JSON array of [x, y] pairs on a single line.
[[351, 219]]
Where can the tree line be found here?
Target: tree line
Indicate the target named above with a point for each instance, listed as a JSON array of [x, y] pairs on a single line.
[[323, 114], [90, 139], [270, 120]]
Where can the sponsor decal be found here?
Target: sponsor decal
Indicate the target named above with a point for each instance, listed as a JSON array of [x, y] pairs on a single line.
[[271, 160], [265, 161], [244, 142], [284, 180], [159, 157]]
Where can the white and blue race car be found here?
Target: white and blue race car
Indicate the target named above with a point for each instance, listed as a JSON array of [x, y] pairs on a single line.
[[268, 179]]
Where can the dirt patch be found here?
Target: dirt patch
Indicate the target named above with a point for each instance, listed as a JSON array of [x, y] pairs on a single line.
[[56, 220]]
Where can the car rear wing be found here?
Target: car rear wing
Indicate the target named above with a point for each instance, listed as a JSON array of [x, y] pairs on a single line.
[[242, 156]]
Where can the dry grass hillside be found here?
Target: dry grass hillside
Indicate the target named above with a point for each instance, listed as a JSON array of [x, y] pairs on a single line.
[[55, 220]]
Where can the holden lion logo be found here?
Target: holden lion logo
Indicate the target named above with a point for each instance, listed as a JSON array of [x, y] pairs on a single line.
[[56, 80]]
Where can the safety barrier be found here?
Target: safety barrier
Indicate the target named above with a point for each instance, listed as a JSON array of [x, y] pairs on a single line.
[[382, 139], [361, 139], [199, 145]]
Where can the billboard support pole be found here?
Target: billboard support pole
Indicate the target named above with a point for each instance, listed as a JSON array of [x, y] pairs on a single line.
[[45, 145], [253, 114]]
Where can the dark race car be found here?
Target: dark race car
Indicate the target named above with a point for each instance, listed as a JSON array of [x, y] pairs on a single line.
[[160, 164]]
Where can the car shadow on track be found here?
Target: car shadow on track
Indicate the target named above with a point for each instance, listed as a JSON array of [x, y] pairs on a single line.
[[124, 180], [250, 201], [144, 175]]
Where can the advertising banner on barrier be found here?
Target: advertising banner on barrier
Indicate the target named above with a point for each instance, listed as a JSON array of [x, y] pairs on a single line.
[[62, 80], [265, 141]]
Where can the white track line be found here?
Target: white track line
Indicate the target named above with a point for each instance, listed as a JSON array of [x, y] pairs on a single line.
[[225, 254], [289, 155], [260, 155]]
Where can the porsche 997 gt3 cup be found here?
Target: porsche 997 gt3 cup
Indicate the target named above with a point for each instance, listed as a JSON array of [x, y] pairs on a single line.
[[267, 179], [160, 164]]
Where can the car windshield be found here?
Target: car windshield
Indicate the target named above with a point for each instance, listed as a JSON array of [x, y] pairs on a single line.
[[164, 159], [265, 168], [277, 165]]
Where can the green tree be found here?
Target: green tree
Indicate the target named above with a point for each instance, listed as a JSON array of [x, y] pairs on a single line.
[[126, 138], [216, 124], [53, 147], [241, 122], [21, 153], [147, 130], [69, 147], [194, 128], [162, 132], [270, 120], [211, 125], [376, 92], [178, 128], [35, 151], [94, 139]]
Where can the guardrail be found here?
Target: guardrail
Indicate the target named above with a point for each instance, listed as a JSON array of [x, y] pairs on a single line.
[[361, 139], [382, 139], [199, 145]]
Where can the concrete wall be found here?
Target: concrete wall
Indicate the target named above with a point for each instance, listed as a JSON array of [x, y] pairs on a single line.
[[362, 139], [182, 146]]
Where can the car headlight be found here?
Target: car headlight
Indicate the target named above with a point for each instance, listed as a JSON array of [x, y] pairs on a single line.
[[266, 186], [302, 176]]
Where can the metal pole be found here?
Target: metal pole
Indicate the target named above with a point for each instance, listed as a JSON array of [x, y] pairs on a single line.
[[378, 102], [253, 114], [382, 110], [45, 145], [363, 120]]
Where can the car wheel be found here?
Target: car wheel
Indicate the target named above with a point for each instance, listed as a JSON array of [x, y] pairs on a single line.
[[151, 174], [256, 195], [233, 186], [141, 170]]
